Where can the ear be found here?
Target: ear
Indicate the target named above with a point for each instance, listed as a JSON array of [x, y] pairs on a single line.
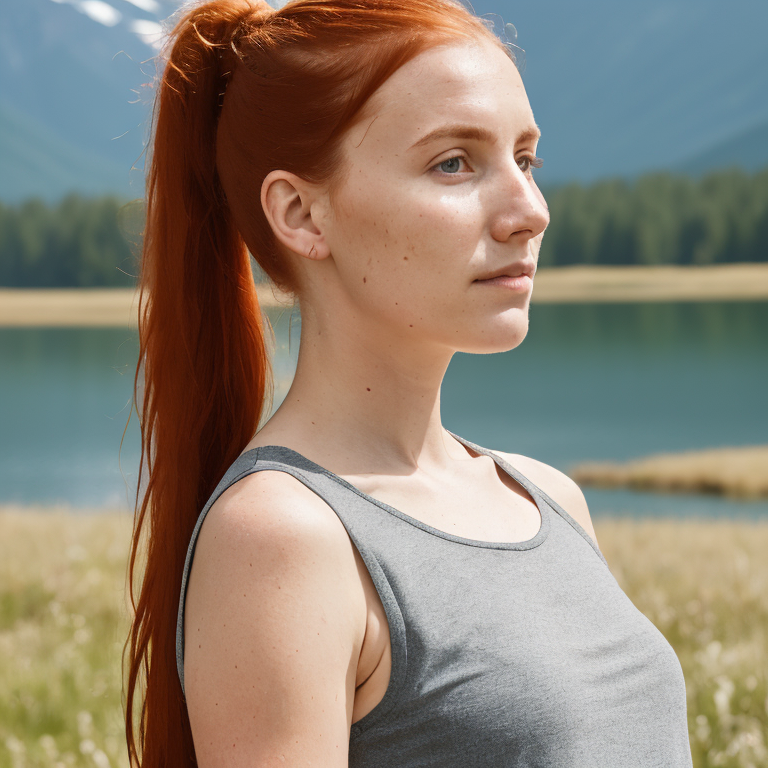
[[289, 202]]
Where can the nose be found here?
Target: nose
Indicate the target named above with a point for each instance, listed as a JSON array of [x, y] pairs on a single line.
[[521, 210]]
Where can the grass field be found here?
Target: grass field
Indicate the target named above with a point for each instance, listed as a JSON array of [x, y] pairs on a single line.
[[63, 620]]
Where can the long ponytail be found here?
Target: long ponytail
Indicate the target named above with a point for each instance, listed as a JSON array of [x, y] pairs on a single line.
[[246, 89], [206, 370]]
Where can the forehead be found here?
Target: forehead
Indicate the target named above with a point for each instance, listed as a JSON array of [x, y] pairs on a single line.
[[468, 81]]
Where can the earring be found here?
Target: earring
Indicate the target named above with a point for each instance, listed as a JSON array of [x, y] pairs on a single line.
[[309, 255]]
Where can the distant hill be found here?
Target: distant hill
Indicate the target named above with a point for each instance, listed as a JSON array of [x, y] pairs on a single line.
[[746, 149], [623, 88], [69, 71], [34, 160], [618, 89]]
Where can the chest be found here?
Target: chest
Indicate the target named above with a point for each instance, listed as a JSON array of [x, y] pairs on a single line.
[[529, 657], [485, 505]]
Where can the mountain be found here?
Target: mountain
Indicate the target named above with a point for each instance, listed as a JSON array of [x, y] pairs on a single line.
[[74, 95], [623, 88], [618, 89], [36, 161], [745, 149]]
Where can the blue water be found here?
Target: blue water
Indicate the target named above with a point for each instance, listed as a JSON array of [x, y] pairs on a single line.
[[590, 382]]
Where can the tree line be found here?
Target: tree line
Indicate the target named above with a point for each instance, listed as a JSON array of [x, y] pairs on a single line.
[[79, 242], [660, 218]]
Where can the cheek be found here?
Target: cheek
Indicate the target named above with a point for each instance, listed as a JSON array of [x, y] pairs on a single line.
[[408, 256], [389, 229], [365, 221]]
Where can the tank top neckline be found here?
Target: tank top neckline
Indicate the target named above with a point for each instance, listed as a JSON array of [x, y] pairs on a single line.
[[285, 455]]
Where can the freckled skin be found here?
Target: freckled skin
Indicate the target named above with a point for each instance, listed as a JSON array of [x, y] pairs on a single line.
[[447, 228], [386, 266], [388, 293]]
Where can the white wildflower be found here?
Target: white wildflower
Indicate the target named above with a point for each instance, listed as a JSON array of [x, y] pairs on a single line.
[[48, 745], [722, 696], [100, 759], [84, 723]]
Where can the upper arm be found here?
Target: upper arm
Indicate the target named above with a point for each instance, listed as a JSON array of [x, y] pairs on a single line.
[[559, 486], [274, 622]]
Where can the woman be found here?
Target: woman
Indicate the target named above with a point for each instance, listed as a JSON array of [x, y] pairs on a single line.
[[355, 585]]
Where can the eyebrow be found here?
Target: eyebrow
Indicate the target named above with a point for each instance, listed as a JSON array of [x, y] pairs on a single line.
[[460, 131]]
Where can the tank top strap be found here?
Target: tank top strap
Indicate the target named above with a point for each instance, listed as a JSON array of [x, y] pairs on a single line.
[[346, 501], [537, 493], [533, 489]]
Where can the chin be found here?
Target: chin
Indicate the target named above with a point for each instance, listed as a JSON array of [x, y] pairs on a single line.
[[502, 338]]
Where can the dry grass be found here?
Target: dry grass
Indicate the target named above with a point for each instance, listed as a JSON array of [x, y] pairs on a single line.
[[704, 584], [739, 472], [118, 306], [63, 619]]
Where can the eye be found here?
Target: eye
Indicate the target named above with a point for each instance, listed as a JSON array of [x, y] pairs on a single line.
[[450, 166], [531, 162]]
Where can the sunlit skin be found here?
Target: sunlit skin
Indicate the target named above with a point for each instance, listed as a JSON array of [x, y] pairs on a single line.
[[389, 263], [279, 600]]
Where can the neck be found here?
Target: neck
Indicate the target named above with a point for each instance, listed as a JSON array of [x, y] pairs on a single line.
[[361, 398]]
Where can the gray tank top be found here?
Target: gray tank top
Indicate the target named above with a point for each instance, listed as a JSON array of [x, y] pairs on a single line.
[[503, 654]]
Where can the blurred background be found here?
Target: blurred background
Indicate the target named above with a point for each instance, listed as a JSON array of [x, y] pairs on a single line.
[[655, 144], [654, 118]]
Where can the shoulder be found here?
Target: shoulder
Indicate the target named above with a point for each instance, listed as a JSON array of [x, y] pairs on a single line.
[[274, 605], [556, 484], [274, 515], [279, 508], [270, 524]]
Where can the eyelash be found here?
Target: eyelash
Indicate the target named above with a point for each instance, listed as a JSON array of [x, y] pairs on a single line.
[[533, 162]]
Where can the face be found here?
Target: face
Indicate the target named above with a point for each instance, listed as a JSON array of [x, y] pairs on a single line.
[[439, 195]]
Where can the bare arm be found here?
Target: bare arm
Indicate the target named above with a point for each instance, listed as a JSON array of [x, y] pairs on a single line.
[[275, 619]]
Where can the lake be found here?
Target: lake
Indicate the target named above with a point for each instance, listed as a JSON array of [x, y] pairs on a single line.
[[590, 382]]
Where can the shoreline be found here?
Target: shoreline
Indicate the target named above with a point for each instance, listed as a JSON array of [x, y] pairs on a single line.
[[735, 472], [717, 282], [118, 307], [91, 307]]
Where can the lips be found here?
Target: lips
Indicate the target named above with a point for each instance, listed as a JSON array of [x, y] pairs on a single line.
[[516, 269]]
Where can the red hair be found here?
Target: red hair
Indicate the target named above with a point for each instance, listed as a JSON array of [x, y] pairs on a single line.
[[246, 90]]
